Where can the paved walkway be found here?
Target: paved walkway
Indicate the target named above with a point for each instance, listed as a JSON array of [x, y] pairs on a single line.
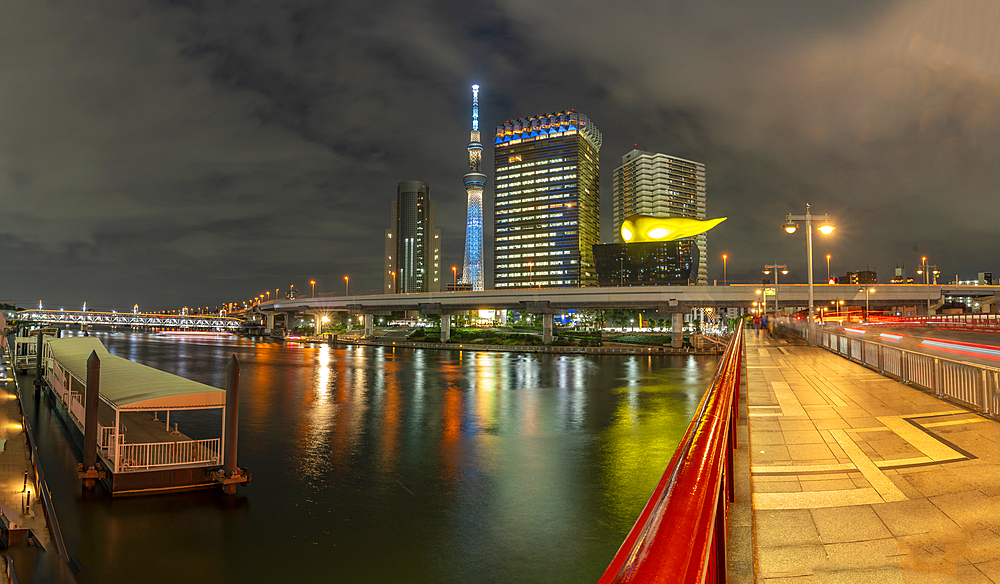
[[15, 461], [858, 478]]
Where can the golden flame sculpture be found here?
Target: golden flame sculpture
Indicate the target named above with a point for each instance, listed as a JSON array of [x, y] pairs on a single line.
[[648, 228]]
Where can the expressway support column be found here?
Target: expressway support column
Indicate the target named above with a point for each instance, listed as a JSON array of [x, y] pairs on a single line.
[[445, 326], [547, 328], [268, 322], [317, 324], [369, 325], [677, 337]]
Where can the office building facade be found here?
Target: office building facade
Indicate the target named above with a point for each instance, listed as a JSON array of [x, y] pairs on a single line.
[[546, 210], [646, 263], [412, 244], [661, 185]]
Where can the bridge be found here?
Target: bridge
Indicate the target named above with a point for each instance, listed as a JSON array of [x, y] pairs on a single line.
[[665, 299], [134, 319]]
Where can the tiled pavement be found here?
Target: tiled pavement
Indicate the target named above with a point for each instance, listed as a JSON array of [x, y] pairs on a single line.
[[858, 478]]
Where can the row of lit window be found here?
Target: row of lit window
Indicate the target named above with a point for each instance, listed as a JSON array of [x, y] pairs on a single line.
[[533, 245], [526, 218], [532, 173], [507, 168], [536, 138], [535, 283], [537, 235], [535, 181], [502, 265], [539, 226], [536, 254], [499, 202]]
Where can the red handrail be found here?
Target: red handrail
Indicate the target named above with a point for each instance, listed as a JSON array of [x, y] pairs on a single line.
[[680, 536]]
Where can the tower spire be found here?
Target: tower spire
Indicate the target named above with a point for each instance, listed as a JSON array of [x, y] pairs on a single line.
[[475, 182]]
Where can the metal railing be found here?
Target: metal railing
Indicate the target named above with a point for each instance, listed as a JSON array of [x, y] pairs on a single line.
[[975, 385], [680, 535], [132, 457], [972, 322]]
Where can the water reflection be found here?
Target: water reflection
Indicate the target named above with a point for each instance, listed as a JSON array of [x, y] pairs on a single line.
[[389, 464]]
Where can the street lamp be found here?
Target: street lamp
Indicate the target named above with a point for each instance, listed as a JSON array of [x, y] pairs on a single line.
[[313, 284], [393, 282], [531, 280], [828, 268], [777, 268], [454, 275], [825, 228], [347, 286], [269, 295], [763, 300], [926, 270], [867, 290], [724, 279]]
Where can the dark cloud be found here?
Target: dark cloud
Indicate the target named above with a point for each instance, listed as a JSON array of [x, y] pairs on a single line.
[[174, 153]]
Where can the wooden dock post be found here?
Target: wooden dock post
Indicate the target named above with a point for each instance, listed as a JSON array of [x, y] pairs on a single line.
[[38, 362], [90, 474], [232, 422]]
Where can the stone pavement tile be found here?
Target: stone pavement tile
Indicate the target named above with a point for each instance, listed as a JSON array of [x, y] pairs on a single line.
[[984, 546], [790, 560], [849, 524], [792, 425], [827, 485], [823, 413], [825, 477], [903, 485], [863, 422], [793, 580], [809, 452], [991, 570], [935, 482], [782, 486], [966, 506], [879, 553], [802, 437], [770, 454], [860, 482], [875, 576], [978, 475], [912, 517], [766, 438], [778, 527]]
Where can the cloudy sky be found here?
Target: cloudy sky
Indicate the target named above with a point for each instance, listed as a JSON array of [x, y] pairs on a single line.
[[192, 152]]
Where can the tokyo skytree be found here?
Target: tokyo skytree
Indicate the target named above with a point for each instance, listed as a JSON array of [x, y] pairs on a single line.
[[475, 181]]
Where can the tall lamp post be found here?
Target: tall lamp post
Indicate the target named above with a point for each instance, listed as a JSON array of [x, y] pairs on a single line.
[[825, 228], [828, 268], [313, 284], [867, 290], [724, 279], [347, 286], [454, 275], [926, 269], [777, 268], [393, 282]]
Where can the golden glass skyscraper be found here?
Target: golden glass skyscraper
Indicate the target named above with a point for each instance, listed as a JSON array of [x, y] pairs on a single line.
[[546, 209]]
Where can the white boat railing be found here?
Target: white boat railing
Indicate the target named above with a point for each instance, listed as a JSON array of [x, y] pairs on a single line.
[[133, 457]]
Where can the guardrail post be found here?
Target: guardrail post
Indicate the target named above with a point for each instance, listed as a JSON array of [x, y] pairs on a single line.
[[720, 540], [986, 392]]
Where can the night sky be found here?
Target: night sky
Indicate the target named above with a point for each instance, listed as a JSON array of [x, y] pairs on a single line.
[[196, 152]]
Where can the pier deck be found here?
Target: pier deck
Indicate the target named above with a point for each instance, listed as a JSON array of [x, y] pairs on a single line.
[[859, 478]]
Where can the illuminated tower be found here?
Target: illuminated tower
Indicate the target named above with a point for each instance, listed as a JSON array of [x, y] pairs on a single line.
[[475, 181]]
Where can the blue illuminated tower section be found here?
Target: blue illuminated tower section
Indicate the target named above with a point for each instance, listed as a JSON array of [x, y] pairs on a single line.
[[475, 181]]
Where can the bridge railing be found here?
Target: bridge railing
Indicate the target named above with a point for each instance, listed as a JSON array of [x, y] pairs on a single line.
[[680, 535], [973, 322], [977, 386]]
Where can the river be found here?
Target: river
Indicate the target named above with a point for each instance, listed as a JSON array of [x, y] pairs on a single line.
[[374, 464]]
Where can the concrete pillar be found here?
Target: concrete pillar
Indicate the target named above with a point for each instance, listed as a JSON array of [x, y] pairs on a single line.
[[445, 327], [502, 317], [369, 325], [317, 324], [677, 337], [547, 327], [289, 321], [231, 421], [90, 417], [268, 321]]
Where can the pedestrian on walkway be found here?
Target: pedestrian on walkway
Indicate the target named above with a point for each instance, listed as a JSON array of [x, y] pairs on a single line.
[[763, 325], [756, 324]]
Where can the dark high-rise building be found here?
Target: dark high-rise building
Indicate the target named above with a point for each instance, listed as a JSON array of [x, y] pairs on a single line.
[[646, 263], [546, 210], [412, 244], [860, 277], [661, 185]]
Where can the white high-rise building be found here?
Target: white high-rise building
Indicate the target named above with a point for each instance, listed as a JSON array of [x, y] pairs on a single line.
[[661, 185]]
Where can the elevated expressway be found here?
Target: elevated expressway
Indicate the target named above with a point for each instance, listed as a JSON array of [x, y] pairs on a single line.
[[665, 299]]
